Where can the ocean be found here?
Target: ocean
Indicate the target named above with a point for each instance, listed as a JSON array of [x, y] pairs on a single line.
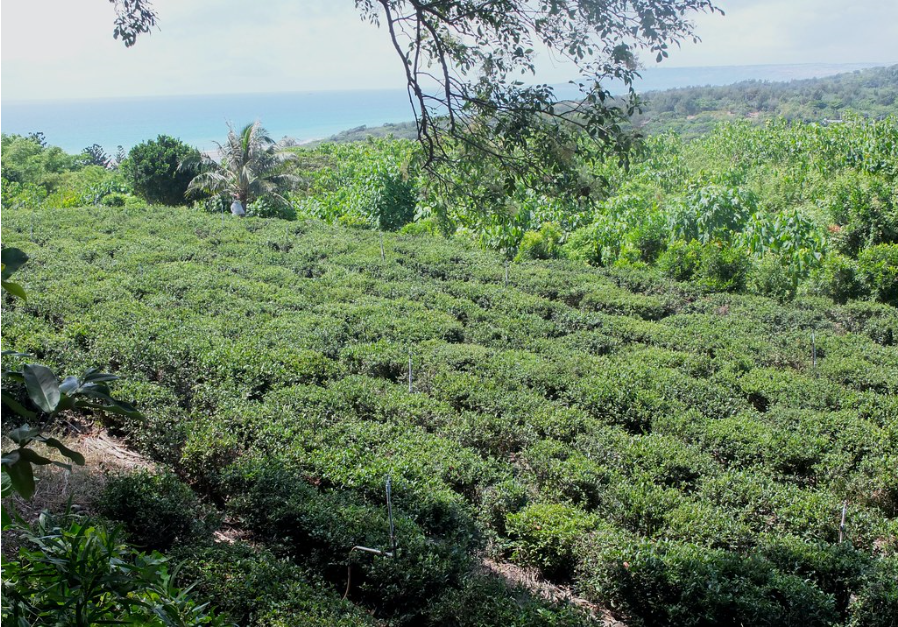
[[303, 116]]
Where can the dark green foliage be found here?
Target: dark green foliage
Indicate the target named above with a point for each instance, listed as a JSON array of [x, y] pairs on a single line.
[[153, 168], [253, 587], [156, 510], [877, 603], [682, 584], [485, 600], [723, 268]]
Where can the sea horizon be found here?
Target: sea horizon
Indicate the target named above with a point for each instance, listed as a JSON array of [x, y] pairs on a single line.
[[302, 116]]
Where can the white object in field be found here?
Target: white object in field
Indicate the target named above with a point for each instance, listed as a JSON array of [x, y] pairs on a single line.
[[237, 208]]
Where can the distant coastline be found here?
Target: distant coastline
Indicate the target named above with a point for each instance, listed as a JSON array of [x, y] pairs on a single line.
[[303, 117]]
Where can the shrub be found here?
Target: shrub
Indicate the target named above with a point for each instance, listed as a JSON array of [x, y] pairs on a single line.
[[428, 226], [154, 170], [723, 268], [668, 583], [836, 278], [484, 600], [681, 260], [878, 270], [269, 207], [256, 588], [546, 535], [863, 210], [876, 604], [157, 510], [770, 277], [541, 244]]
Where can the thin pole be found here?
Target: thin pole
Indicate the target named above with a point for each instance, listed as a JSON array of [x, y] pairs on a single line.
[[390, 515], [506, 274], [410, 372], [842, 524], [814, 351], [383, 255]]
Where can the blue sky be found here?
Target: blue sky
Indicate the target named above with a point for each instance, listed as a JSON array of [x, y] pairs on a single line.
[[64, 48]]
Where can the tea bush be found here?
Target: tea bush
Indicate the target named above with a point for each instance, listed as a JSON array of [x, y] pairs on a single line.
[[571, 419], [156, 510]]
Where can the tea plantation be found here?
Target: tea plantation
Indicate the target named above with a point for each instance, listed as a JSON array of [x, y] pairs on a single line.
[[679, 457]]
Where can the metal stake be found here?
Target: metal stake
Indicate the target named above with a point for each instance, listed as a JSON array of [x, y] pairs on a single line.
[[813, 351], [842, 524]]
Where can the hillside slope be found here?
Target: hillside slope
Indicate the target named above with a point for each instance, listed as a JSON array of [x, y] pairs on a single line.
[[681, 457]]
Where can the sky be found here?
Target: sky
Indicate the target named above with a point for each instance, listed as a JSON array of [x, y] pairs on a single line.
[[60, 49]]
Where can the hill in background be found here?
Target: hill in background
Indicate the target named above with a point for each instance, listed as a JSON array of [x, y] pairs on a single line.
[[692, 111]]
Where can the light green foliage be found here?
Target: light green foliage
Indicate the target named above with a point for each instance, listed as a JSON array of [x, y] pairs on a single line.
[[29, 160], [546, 535], [796, 192], [372, 183], [577, 418], [79, 573], [37, 175], [878, 270], [541, 244]]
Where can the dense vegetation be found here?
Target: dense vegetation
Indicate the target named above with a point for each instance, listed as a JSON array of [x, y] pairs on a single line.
[[656, 381], [777, 210], [630, 435]]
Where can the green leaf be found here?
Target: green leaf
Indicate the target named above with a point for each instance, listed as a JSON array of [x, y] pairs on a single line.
[[5, 519], [92, 376], [15, 289], [69, 385], [42, 386], [76, 457], [7, 485], [30, 456], [12, 259], [23, 434], [22, 478], [16, 406]]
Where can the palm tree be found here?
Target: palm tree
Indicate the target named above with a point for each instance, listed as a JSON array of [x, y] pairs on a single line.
[[250, 167]]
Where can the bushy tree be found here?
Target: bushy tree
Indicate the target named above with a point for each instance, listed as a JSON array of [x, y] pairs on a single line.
[[153, 170]]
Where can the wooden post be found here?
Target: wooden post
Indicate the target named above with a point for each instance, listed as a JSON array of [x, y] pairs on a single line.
[[409, 372], [383, 255]]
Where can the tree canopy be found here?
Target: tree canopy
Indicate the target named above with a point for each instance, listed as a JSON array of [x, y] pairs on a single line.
[[465, 61]]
